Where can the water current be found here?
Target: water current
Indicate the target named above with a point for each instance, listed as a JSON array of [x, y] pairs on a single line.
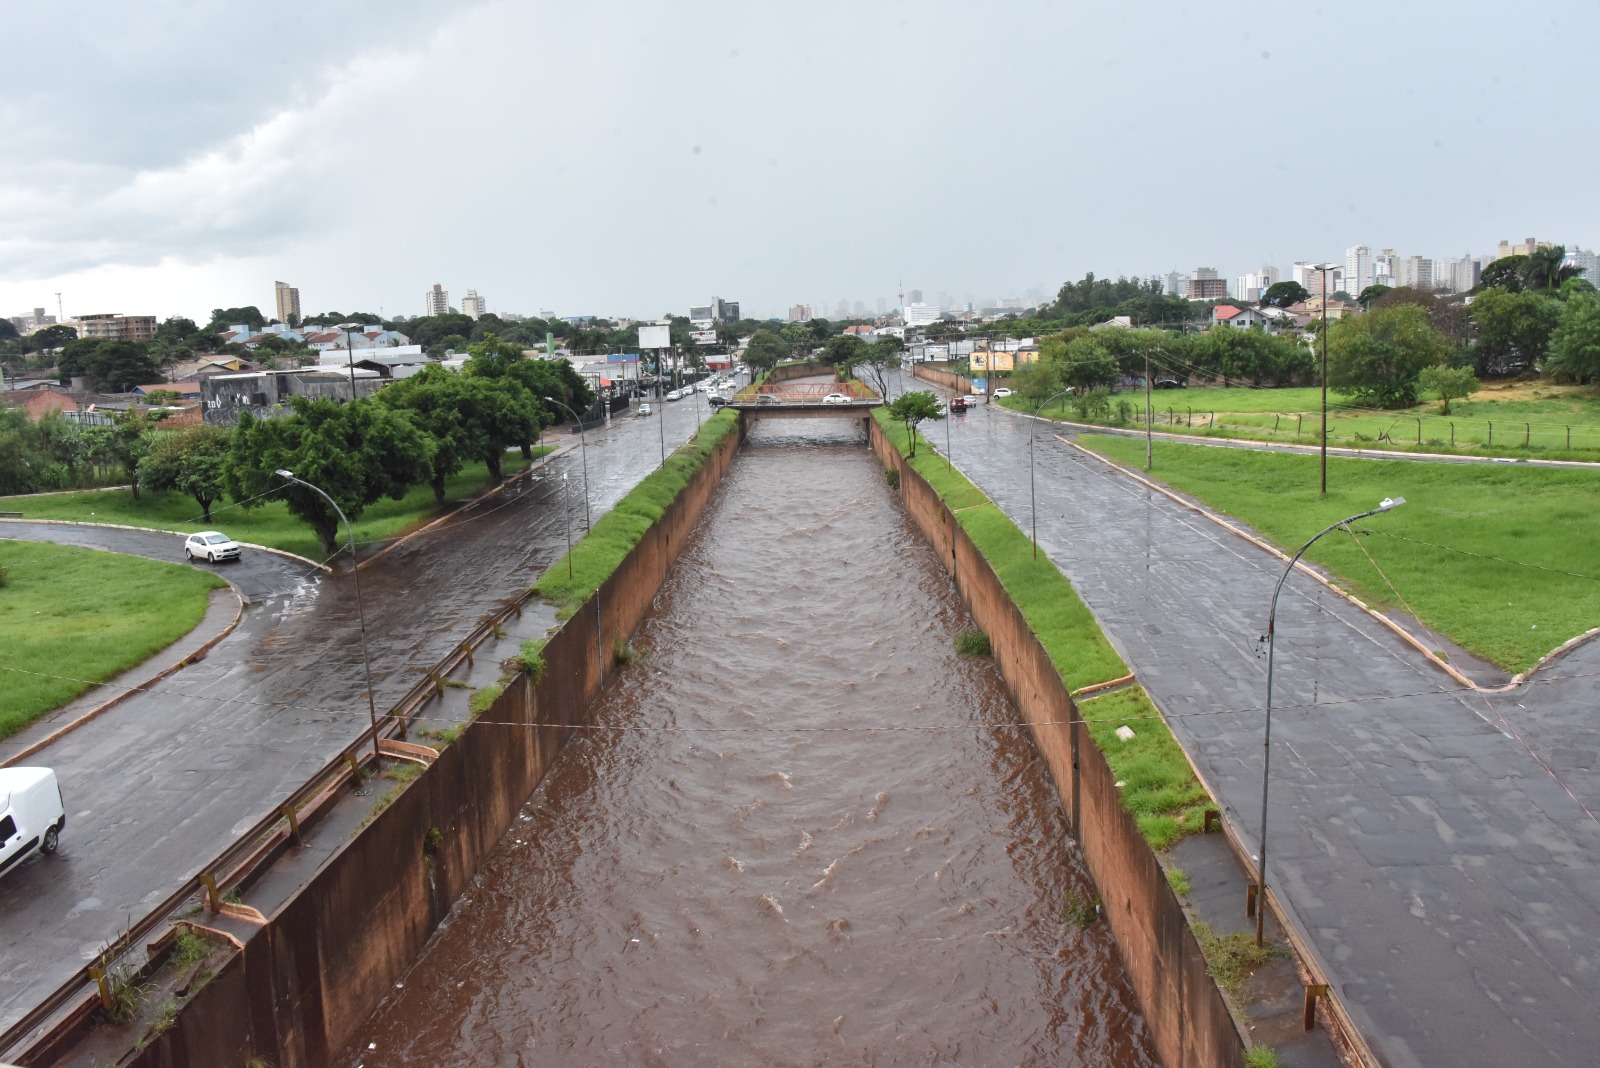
[[810, 833]]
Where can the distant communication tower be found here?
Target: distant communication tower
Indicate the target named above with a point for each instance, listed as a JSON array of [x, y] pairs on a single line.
[[60, 315]]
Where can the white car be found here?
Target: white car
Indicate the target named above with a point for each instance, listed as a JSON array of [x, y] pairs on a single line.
[[210, 545], [1002, 392], [644, 409], [31, 813], [836, 398]]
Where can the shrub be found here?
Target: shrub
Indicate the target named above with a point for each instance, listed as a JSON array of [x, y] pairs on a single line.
[[973, 643]]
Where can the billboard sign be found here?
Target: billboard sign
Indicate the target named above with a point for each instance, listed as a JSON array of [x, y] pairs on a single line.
[[980, 385], [655, 337], [704, 337]]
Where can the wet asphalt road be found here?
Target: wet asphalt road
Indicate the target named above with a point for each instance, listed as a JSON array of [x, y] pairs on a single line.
[[1449, 883], [165, 781]]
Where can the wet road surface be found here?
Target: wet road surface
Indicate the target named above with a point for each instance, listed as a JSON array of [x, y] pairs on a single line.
[[1449, 883], [715, 881], [162, 783]]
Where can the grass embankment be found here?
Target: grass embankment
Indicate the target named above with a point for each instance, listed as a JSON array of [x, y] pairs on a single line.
[[595, 557], [86, 615], [1508, 614], [1533, 419], [270, 524], [1160, 788]]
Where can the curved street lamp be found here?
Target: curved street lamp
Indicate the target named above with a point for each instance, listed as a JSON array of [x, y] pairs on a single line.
[[361, 616], [1323, 269], [1389, 504], [1033, 432], [584, 448]]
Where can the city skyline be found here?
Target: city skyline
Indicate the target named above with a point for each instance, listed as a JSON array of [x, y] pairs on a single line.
[[127, 192]]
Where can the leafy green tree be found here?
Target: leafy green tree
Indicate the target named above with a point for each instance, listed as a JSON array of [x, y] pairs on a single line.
[[51, 337], [453, 410], [175, 330], [8, 330], [122, 445], [1370, 294], [1506, 273], [1377, 357], [1036, 381], [1575, 344], [222, 318], [357, 453], [843, 351], [913, 407], [1450, 383], [1514, 329], [115, 366], [1545, 269], [548, 381], [877, 359], [192, 461], [766, 350], [1283, 294], [1251, 355], [1083, 363]]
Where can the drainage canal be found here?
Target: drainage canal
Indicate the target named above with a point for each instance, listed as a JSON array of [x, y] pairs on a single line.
[[805, 830]]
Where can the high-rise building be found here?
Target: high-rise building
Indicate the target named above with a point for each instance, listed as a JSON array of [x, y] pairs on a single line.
[[1386, 268], [1357, 269], [287, 298], [1204, 284], [799, 313], [1520, 248], [472, 304], [1174, 287], [1418, 272], [1583, 259], [1464, 273], [1255, 285], [914, 297], [920, 314], [436, 301]]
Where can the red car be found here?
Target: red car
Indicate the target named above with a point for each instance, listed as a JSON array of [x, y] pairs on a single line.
[[958, 404]]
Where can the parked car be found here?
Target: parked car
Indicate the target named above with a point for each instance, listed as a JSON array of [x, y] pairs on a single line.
[[211, 545], [31, 814], [644, 409], [1002, 392], [836, 398], [958, 403]]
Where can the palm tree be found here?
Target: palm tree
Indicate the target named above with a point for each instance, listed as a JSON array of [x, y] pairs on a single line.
[[1545, 269]]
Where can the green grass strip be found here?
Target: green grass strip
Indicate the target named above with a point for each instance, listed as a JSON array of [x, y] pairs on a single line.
[[597, 556], [1508, 614], [270, 524], [84, 615], [1159, 786]]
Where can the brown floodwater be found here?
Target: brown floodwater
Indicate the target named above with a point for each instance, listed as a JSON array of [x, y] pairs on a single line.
[[749, 866]]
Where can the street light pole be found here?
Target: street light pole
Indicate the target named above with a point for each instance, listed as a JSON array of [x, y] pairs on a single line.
[[1323, 269], [1272, 643], [583, 443], [1033, 431], [361, 615]]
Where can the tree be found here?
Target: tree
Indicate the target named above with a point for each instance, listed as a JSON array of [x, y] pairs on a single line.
[[357, 453], [467, 417], [1082, 363], [1546, 269], [124, 444], [843, 351], [1514, 329], [1253, 355], [1283, 294], [193, 461], [1370, 294], [766, 350], [913, 407], [548, 381], [51, 337], [1450, 383], [1575, 344], [1505, 273], [8, 330], [115, 366], [876, 361], [222, 318], [1377, 357]]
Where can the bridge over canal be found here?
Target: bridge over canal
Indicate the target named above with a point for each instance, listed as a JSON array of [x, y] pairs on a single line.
[[807, 399]]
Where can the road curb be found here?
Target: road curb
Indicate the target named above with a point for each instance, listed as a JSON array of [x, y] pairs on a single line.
[[96, 712], [163, 530]]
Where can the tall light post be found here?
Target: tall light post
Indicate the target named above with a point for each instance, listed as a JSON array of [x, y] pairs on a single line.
[[1323, 269], [1389, 503], [350, 361], [1033, 499], [583, 443], [361, 615]]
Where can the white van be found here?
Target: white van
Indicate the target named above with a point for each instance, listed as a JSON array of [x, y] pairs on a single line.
[[31, 814]]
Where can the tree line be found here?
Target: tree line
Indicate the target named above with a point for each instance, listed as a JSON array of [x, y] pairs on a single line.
[[418, 430]]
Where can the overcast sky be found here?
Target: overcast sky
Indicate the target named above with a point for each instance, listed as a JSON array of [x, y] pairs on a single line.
[[633, 158]]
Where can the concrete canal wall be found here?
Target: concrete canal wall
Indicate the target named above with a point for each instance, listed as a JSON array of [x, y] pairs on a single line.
[[1182, 1005], [946, 379]]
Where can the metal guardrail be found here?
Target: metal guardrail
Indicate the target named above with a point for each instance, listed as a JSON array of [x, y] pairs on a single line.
[[247, 853]]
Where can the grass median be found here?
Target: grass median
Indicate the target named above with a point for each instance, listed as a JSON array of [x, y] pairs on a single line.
[[596, 557], [70, 618], [1497, 557], [1160, 789], [270, 524]]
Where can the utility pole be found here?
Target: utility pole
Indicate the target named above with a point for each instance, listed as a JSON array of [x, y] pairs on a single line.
[[1147, 409]]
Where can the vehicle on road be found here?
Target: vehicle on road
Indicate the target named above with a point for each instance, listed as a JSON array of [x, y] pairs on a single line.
[[1002, 392], [836, 398], [31, 814], [676, 394], [210, 545], [645, 409], [716, 400], [767, 398], [958, 403]]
